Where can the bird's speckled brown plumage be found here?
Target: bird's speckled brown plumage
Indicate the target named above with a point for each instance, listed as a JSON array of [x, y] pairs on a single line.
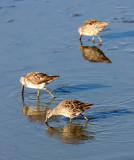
[[38, 78], [92, 28], [69, 108]]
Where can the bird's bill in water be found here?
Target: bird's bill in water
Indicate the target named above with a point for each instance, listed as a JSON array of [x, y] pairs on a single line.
[[22, 89]]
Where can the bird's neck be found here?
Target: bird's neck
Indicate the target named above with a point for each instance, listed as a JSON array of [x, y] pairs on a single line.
[[56, 111]]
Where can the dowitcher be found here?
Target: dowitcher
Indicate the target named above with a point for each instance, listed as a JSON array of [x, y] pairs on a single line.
[[37, 81], [69, 108], [92, 28]]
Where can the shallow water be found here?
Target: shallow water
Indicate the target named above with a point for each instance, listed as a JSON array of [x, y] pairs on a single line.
[[41, 35]]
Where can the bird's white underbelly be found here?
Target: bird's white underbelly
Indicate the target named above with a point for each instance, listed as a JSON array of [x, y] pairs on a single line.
[[35, 86], [90, 33]]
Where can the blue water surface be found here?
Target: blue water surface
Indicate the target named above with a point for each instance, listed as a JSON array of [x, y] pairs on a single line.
[[42, 35]]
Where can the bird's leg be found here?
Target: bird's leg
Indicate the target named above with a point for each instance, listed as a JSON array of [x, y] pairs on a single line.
[[85, 117], [38, 93], [70, 120], [99, 38], [49, 92], [80, 37], [22, 89], [93, 39]]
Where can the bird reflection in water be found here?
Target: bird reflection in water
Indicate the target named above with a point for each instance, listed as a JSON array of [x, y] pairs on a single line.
[[36, 112], [71, 133], [93, 53]]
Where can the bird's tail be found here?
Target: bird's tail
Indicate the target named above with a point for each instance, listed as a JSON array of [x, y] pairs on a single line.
[[107, 23], [86, 106], [53, 77]]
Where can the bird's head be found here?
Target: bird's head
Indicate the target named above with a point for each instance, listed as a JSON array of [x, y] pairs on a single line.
[[49, 114], [22, 80], [79, 30]]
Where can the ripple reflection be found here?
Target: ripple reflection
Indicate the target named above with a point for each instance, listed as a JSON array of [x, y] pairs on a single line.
[[35, 113], [94, 54], [71, 133]]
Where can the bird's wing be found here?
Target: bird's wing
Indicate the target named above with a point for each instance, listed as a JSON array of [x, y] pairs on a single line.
[[37, 78]]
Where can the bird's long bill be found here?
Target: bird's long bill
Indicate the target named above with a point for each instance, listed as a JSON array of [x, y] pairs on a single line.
[[46, 124], [22, 89], [46, 120]]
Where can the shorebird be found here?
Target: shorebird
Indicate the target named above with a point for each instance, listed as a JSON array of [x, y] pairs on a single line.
[[69, 108], [92, 28], [37, 81]]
